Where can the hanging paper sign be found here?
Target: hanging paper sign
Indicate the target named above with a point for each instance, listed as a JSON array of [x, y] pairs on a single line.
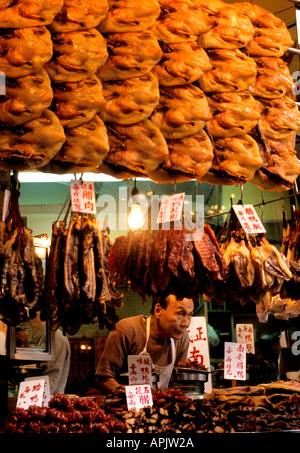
[[235, 361], [199, 346], [46, 393], [248, 218], [83, 197], [138, 396], [170, 209], [244, 334], [139, 369], [31, 393]]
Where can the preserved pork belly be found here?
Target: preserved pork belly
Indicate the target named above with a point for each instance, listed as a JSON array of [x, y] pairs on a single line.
[[24, 51], [76, 55], [131, 100], [182, 111], [190, 157], [26, 98], [130, 55], [234, 113], [129, 15], [232, 70], [273, 79], [26, 13], [84, 149], [134, 150], [76, 103], [181, 63], [180, 20], [31, 145], [271, 37], [79, 15]]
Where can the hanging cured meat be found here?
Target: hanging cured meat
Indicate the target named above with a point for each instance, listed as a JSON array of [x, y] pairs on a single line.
[[271, 37], [129, 15], [33, 145], [24, 51], [83, 150], [181, 63], [79, 15], [21, 272], [256, 271], [25, 98], [78, 288], [182, 111], [130, 101], [130, 54], [76, 103], [198, 70], [25, 13], [160, 262], [76, 55], [232, 70]]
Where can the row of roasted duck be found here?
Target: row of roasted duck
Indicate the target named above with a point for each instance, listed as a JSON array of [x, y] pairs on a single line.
[[171, 90]]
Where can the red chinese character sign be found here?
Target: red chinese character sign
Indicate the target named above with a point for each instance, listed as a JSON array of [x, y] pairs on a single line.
[[199, 346], [235, 361], [46, 393], [31, 393], [139, 369], [244, 334], [83, 197], [248, 218], [138, 396], [170, 208]]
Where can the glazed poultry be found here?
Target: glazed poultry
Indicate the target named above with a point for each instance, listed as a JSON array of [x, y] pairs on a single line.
[[182, 111]]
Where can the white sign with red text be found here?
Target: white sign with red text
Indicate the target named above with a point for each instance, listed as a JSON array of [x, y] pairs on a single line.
[[139, 369], [83, 196], [248, 218], [199, 346], [138, 396], [31, 393], [170, 209], [46, 394], [235, 361], [244, 334]]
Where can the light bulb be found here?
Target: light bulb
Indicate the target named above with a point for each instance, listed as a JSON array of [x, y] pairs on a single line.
[[136, 218]]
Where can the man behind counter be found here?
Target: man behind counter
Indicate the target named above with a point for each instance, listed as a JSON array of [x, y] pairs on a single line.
[[163, 336]]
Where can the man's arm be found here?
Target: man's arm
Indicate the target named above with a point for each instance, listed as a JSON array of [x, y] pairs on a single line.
[[105, 385]]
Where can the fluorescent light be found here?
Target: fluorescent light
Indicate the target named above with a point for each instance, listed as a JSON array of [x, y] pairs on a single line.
[[29, 176]]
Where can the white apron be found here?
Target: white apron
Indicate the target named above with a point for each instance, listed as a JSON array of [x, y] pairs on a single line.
[[164, 372]]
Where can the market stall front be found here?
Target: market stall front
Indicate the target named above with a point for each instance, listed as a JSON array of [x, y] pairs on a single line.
[[183, 116]]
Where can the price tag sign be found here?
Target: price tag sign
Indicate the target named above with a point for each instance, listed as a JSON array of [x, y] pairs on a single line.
[[138, 396], [244, 334], [83, 197], [31, 393], [235, 361], [140, 369], [199, 346], [170, 209], [248, 218], [46, 393]]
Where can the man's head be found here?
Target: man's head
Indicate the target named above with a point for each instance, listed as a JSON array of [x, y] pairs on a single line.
[[173, 316]]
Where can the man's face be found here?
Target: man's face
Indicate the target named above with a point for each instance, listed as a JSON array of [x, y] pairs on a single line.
[[176, 318]]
